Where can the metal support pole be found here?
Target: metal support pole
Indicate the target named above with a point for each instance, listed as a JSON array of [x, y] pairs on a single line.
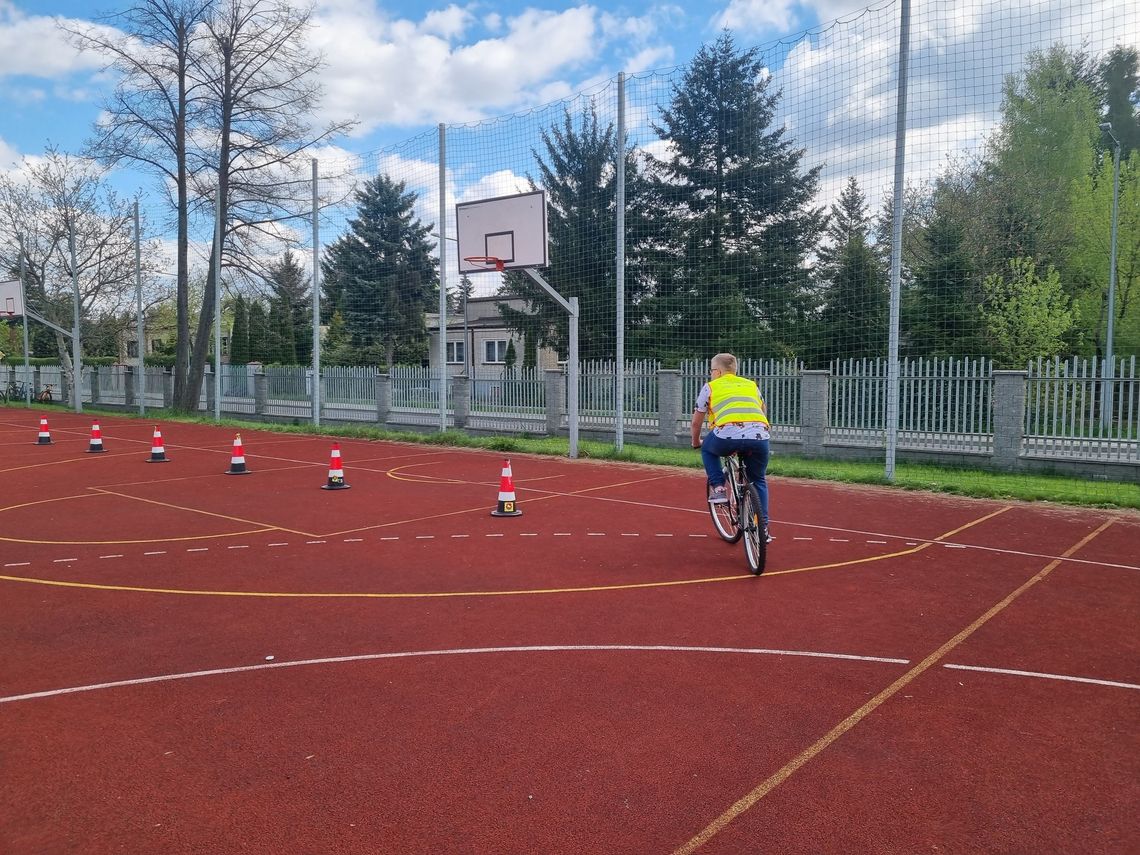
[[572, 379], [316, 303], [218, 304], [1108, 392], [619, 271], [442, 277], [140, 375], [76, 356], [892, 415], [27, 354]]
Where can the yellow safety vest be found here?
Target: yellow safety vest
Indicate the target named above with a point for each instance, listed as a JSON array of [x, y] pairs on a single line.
[[735, 399]]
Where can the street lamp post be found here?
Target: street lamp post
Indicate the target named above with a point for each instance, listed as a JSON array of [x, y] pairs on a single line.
[[1109, 367]]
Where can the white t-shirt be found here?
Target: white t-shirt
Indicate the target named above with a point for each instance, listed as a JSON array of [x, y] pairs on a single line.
[[731, 430]]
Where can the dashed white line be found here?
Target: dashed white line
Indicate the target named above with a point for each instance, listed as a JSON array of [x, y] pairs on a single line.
[[278, 544], [528, 534], [425, 537], [314, 541], [389, 538], [876, 541], [19, 564], [630, 534], [160, 552], [354, 540], [64, 560], [461, 535], [595, 534], [801, 538], [698, 535], [663, 534], [238, 547], [839, 540], [120, 555], [494, 535], [199, 549], [561, 534], [955, 545]]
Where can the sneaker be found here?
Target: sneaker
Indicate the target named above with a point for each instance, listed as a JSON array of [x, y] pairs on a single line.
[[767, 537], [718, 496]]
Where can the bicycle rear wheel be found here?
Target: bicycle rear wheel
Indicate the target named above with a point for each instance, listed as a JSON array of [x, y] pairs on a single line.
[[726, 517], [754, 526]]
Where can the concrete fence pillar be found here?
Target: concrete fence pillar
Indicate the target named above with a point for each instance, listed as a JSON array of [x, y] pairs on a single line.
[[129, 399], [95, 390], [260, 387], [815, 386], [461, 399], [383, 397], [1009, 417], [669, 404], [167, 388], [555, 383], [211, 391]]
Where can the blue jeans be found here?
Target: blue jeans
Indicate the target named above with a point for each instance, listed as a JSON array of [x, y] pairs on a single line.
[[755, 454]]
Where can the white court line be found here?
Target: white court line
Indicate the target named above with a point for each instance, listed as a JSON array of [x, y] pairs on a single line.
[[19, 564], [314, 541], [160, 552], [64, 560], [238, 547], [278, 544], [1043, 676], [461, 535], [370, 657], [199, 549], [425, 537], [354, 540], [120, 555]]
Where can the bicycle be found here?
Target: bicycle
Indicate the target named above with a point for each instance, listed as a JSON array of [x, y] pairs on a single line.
[[741, 516], [14, 391], [45, 395]]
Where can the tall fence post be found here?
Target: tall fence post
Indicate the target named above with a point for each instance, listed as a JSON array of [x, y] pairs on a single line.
[[1009, 417], [555, 380], [668, 404], [211, 390], [167, 388], [814, 391], [461, 399], [260, 388], [383, 397], [129, 380], [95, 385]]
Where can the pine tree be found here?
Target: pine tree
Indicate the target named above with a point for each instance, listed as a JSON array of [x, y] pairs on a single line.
[[576, 169], [258, 333], [290, 285], [381, 275], [733, 224], [855, 316]]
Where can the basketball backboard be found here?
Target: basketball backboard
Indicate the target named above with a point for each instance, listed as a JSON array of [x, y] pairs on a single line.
[[510, 228], [11, 299]]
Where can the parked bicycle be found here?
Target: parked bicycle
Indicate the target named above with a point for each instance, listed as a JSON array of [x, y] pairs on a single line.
[[45, 394], [741, 516], [13, 391]]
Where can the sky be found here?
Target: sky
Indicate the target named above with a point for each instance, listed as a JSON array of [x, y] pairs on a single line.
[[398, 68]]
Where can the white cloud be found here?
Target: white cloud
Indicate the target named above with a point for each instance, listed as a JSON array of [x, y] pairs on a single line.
[[34, 45], [450, 23], [750, 17], [9, 156]]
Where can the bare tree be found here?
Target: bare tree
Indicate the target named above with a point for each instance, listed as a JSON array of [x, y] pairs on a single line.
[[260, 77], [150, 46], [44, 203], [214, 96]]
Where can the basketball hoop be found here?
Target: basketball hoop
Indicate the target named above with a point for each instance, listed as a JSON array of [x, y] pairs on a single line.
[[487, 261]]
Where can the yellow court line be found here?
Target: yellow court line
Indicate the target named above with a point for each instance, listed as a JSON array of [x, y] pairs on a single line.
[[105, 455], [894, 688], [382, 595], [263, 525]]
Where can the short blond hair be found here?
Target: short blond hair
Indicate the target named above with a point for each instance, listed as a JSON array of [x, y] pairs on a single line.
[[726, 362]]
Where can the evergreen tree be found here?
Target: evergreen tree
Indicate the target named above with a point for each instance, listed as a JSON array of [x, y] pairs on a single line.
[[239, 335], [855, 316], [290, 285], [733, 224], [282, 340], [381, 275], [1120, 78], [576, 168], [258, 333]]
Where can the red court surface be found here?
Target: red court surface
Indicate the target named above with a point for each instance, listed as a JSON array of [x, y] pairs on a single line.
[[202, 663]]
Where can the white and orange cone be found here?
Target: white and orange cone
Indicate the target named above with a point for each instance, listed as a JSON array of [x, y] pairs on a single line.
[[336, 471], [507, 506], [157, 449], [96, 445], [45, 434], [237, 460]]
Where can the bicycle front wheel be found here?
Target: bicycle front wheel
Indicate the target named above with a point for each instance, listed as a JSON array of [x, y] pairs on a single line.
[[726, 517], [753, 527]]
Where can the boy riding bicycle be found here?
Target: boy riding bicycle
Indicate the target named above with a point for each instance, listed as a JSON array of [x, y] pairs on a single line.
[[738, 422]]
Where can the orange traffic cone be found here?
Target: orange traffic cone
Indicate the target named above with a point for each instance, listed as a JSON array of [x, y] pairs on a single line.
[[336, 471], [96, 445], [237, 461], [157, 449], [45, 434], [507, 506]]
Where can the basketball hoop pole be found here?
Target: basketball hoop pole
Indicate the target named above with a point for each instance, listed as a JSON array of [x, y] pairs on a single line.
[[571, 307]]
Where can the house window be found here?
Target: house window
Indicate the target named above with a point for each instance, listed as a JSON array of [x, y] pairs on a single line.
[[456, 353], [495, 351]]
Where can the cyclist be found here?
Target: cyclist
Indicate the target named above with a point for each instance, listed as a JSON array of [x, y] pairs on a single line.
[[738, 421]]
